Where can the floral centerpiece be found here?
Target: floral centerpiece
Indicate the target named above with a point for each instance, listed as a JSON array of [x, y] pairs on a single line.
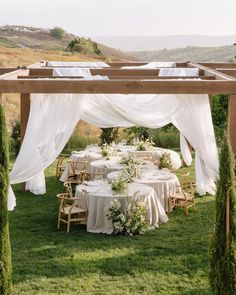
[[131, 167], [165, 161], [132, 221], [119, 184], [143, 145], [107, 151]]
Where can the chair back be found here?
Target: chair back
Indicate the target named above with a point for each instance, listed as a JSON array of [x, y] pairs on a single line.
[[78, 165], [188, 188], [68, 187], [95, 176]]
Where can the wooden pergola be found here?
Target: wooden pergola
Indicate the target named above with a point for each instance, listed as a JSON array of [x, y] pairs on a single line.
[[214, 78]]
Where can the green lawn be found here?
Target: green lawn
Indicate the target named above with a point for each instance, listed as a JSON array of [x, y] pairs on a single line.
[[170, 260]]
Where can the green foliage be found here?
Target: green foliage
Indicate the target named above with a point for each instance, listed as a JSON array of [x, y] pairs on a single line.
[[57, 33], [108, 135], [165, 161], [132, 221], [219, 115], [84, 46], [137, 132], [222, 273], [166, 137], [15, 138], [78, 142], [119, 184], [5, 246]]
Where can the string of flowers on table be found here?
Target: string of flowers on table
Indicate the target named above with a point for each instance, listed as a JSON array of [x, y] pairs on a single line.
[[107, 151]]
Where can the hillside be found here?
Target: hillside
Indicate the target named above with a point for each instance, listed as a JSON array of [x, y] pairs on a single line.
[[36, 38], [198, 54], [144, 43]]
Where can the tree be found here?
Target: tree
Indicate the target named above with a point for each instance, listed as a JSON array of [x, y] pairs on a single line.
[[222, 274], [15, 138], [108, 135], [57, 33], [5, 246]]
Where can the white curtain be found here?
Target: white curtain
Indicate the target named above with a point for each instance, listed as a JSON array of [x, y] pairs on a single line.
[[52, 120], [92, 64], [152, 65], [185, 72]]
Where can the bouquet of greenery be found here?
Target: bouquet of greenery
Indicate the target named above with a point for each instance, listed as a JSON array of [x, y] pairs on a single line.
[[130, 160], [106, 151], [119, 184], [143, 145], [132, 221], [165, 161]]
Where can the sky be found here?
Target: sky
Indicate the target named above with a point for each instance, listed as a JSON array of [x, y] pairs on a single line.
[[124, 17]]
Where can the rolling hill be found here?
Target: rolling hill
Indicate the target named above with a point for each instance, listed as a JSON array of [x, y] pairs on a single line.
[[198, 54]]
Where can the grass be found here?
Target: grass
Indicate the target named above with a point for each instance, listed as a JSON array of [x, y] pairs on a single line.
[[170, 260]]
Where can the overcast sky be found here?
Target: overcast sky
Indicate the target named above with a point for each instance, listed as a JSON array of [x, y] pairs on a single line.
[[124, 17]]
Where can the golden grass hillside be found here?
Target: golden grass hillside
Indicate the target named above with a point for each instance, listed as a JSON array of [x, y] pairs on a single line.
[[12, 57]]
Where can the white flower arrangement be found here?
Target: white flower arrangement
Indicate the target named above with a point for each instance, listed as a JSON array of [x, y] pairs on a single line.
[[119, 184], [143, 145], [107, 151], [132, 221]]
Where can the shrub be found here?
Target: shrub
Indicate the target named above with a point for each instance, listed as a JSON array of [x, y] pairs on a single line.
[[108, 135], [15, 138], [5, 246], [84, 46], [222, 251], [166, 138], [78, 142], [57, 33]]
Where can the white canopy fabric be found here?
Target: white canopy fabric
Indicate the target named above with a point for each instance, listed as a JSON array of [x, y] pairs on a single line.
[[92, 64], [53, 118], [152, 65]]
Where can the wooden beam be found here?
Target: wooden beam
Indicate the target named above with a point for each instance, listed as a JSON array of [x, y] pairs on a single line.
[[123, 77], [215, 65], [229, 72], [232, 122], [7, 70], [112, 72], [24, 113], [118, 86], [210, 72]]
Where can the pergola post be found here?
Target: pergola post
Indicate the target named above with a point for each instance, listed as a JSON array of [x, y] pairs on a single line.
[[24, 115], [232, 121]]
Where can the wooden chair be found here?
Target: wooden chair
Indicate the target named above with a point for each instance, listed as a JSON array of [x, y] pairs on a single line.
[[183, 177], [75, 169], [69, 211], [184, 197], [95, 176], [69, 189], [60, 167]]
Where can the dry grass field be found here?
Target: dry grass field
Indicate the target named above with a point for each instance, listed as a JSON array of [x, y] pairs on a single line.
[[13, 57]]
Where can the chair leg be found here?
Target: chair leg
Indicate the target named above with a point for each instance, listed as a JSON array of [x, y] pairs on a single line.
[[186, 210], [59, 220], [68, 225]]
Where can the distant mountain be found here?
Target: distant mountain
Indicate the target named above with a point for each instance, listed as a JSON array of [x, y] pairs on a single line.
[[38, 38], [198, 54], [141, 43]]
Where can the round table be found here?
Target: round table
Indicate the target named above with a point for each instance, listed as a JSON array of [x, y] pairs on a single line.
[[107, 166], [154, 152], [164, 183], [86, 155], [97, 197]]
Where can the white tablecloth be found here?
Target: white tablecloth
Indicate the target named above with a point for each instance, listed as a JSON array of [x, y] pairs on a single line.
[[97, 198], [154, 152], [163, 183], [80, 156], [107, 166]]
